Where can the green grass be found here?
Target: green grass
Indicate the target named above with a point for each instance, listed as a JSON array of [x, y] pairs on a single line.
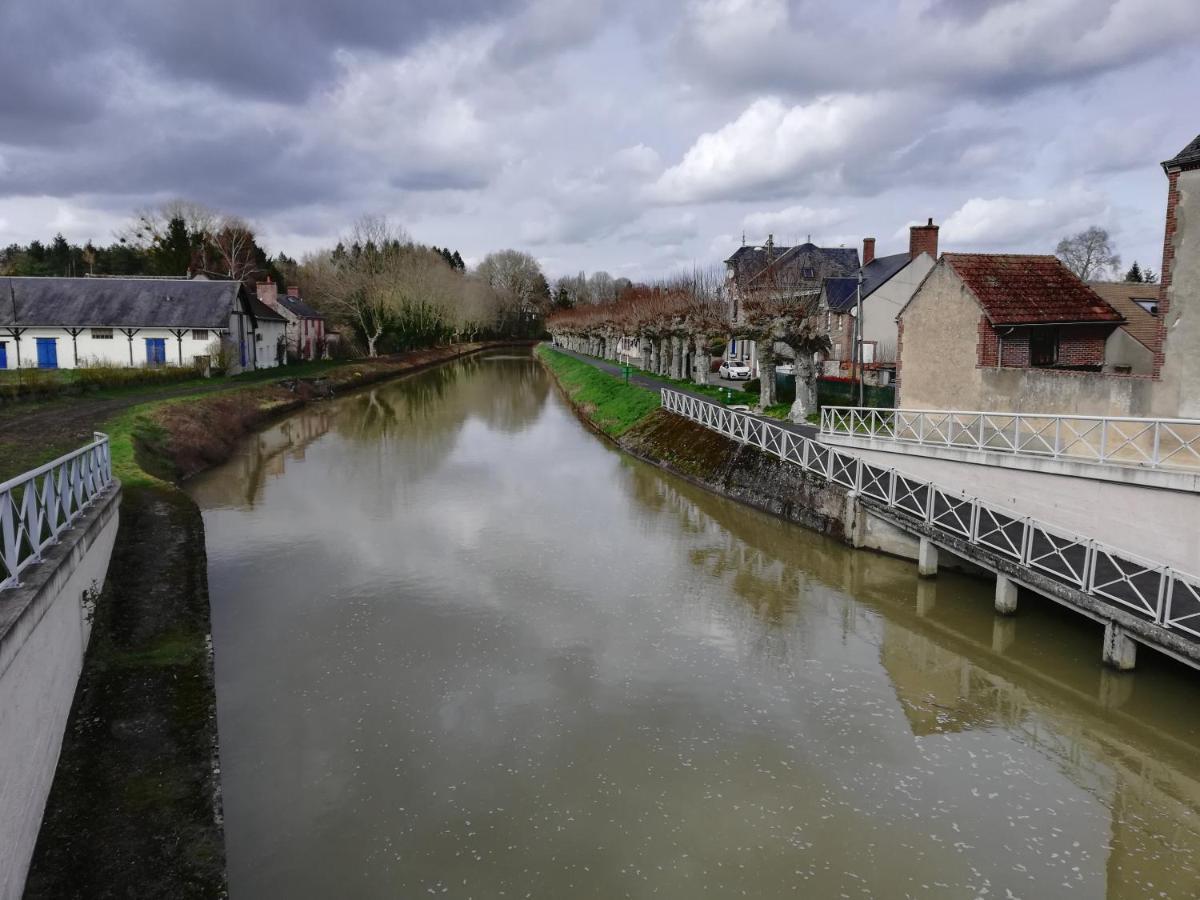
[[778, 411], [612, 405]]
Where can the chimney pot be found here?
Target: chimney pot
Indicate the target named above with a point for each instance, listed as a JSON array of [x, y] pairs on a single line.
[[868, 253]]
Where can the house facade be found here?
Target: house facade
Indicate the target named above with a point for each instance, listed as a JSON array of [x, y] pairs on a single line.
[[1011, 333], [1177, 358], [68, 323], [797, 272], [888, 283], [304, 326]]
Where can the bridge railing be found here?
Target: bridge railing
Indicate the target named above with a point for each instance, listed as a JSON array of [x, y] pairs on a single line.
[[1148, 589], [1166, 444], [37, 507]]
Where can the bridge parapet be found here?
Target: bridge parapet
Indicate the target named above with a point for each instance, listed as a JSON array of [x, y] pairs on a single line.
[[1160, 603], [1156, 452]]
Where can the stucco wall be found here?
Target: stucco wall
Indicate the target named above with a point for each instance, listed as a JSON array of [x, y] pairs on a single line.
[[1179, 392], [882, 307], [111, 351], [938, 356], [1061, 392], [1122, 349], [42, 645]]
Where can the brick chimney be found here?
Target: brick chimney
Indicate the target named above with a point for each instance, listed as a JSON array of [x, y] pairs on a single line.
[[923, 239], [268, 293], [868, 250], [294, 291]]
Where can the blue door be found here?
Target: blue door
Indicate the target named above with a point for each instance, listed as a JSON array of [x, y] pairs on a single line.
[[156, 351], [47, 353], [3, 355]]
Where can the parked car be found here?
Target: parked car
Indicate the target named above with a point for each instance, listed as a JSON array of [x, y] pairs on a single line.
[[734, 370]]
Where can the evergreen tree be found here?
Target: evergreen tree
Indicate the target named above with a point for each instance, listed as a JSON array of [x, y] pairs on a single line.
[[456, 262], [1135, 273], [171, 254]]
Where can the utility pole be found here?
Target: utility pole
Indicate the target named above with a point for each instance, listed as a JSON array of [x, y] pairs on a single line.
[[858, 347]]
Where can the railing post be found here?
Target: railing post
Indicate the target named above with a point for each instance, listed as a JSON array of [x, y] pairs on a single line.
[[1164, 581], [1157, 444], [1057, 436], [1103, 439]]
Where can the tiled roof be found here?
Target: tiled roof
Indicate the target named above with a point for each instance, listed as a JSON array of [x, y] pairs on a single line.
[[1188, 157], [751, 261], [262, 311], [1123, 296], [1028, 290], [298, 307], [118, 302], [840, 294]]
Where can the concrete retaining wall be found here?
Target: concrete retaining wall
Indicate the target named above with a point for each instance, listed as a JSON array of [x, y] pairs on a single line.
[[44, 629]]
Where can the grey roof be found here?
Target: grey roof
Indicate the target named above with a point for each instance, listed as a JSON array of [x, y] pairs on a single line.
[[840, 292], [118, 302], [298, 307], [262, 311], [1188, 157], [750, 260]]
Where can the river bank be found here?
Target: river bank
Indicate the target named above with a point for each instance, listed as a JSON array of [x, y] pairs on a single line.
[[624, 415], [135, 808]]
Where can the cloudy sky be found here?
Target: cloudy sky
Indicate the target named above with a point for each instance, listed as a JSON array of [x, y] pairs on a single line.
[[637, 136]]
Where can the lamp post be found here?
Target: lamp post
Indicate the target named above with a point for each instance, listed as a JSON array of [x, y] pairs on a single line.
[[858, 347]]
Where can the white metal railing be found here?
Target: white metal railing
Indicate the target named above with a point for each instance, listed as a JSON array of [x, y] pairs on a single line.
[[37, 507], [1151, 590], [1165, 444]]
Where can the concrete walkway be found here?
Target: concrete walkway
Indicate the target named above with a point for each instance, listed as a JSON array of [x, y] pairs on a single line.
[[641, 379]]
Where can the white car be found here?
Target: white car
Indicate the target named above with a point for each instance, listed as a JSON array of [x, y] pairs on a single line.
[[734, 370]]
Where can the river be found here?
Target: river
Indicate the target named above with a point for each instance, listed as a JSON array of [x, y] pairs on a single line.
[[465, 648]]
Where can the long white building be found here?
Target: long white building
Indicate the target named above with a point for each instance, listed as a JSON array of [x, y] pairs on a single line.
[[69, 323]]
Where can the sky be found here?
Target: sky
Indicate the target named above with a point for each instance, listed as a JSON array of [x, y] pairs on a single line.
[[636, 136]]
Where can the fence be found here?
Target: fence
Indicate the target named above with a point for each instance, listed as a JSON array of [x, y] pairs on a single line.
[[1164, 444], [1107, 574], [37, 507]]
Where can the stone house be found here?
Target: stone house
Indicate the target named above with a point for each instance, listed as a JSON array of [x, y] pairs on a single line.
[[304, 326], [797, 271], [1012, 333], [1177, 357], [888, 283], [68, 323]]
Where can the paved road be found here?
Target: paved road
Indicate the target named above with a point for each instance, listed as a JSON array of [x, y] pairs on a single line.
[[641, 379]]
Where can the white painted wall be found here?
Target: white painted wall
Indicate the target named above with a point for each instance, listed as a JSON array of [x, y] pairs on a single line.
[[41, 657], [1148, 521], [111, 351]]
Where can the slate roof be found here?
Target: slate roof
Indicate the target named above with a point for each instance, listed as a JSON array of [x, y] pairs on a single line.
[[262, 311], [1188, 157], [1018, 289], [1122, 296], [118, 302], [298, 307], [839, 292], [751, 260]]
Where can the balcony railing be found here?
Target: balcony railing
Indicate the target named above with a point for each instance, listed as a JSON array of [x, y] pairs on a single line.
[[1149, 589], [1171, 445], [37, 507]]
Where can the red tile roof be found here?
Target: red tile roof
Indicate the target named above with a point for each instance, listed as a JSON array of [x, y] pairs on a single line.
[[1029, 290], [1123, 296]]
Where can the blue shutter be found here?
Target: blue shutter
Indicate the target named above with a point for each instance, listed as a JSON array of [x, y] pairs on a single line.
[[3, 355], [47, 350]]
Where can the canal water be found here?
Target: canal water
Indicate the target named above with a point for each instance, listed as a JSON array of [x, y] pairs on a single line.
[[464, 648]]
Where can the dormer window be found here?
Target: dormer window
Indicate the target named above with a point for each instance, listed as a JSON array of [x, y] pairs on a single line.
[[808, 272], [1150, 306]]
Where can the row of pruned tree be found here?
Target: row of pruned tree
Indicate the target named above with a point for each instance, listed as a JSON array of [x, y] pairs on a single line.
[[678, 325]]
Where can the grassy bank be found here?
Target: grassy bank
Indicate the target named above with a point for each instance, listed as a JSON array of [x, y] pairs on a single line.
[[134, 809], [608, 403]]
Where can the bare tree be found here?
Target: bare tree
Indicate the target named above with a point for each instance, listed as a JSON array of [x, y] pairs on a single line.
[[522, 287], [230, 251], [1089, 254], [150, 223], [360, 283]]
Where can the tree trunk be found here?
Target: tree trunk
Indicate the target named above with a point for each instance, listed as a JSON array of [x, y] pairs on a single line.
[[664, 357], [676, 357], [766, 375], [646, 346], [806, 389], [701, 362]]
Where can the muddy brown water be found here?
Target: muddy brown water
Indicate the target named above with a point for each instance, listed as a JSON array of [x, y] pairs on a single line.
[[464, 648]]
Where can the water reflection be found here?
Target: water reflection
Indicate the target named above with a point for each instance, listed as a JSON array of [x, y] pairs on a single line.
[[463, 647]]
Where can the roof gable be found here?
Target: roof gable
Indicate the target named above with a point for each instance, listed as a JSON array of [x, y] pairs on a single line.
[[1187, 158], [1017, 289], [119, 302], [1123, 296]]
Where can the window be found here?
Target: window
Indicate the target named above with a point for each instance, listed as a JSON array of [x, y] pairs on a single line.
[[102, 334], [200, 334], [808, 272], [1150, 306], [1043, 346]]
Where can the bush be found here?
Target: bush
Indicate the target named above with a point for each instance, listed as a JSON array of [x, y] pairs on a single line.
[[753, 386]]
